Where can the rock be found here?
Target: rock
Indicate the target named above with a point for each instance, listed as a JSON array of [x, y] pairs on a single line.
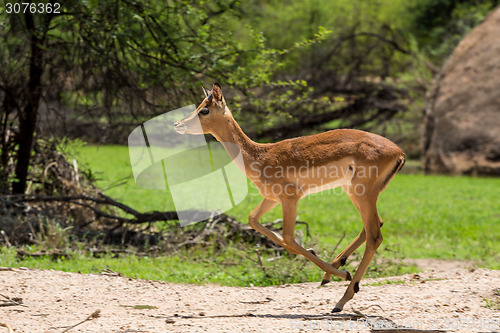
[[462, 116]]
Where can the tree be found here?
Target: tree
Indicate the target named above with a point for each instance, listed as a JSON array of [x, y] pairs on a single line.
[[439, 25], [116, 63], [103, 59]]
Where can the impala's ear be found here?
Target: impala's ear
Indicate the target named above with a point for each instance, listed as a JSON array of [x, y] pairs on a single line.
[[217, 92], [205, 91]]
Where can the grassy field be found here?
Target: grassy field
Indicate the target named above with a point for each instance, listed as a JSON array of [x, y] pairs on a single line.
[[438, 217], [425, 216]]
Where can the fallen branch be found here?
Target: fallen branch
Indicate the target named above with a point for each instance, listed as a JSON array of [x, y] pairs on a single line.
[[338, 243], [12, 301], [6, 238], [53, 254], [110, 272], [404, 330], [118, 226], [7, 326], [267, 300], [84, 200], [94, 315], [261, 265]]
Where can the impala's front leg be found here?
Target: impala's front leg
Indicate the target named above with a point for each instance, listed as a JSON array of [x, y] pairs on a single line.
[[289, 206], [253, 220]]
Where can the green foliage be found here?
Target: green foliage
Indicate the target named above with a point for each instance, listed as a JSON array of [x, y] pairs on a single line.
[[493, 304], [117, 63], [359, 32], [440, 24]]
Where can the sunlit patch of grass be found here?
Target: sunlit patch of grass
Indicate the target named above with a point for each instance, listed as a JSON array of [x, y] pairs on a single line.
[[424, 216], [387, 282], [492, 304], [232, 266]]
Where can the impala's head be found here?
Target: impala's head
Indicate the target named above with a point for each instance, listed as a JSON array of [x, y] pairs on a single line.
[[211, 114]]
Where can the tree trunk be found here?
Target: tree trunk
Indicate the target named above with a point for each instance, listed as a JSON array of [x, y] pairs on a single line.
[[27, 119]]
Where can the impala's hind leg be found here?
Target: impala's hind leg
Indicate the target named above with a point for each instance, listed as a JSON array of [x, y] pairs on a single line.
[[341, 259], [371, 227]]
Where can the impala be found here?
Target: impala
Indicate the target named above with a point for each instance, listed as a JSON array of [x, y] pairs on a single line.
[[361, 163]]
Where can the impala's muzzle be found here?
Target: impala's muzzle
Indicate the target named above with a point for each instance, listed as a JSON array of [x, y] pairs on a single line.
[[180, 127], [191, 123]]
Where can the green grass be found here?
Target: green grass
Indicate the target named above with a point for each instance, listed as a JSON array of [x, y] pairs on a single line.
[[492, 304], [141, 307], [387, 282], [438, 217], [231, 267]]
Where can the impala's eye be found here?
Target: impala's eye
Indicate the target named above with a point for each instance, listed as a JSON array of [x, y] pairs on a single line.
[[205, 111]]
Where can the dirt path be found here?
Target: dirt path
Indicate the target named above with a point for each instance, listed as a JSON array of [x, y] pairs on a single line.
[[451, 301]]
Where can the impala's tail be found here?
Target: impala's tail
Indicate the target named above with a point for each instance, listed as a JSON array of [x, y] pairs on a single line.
[[397, 166]]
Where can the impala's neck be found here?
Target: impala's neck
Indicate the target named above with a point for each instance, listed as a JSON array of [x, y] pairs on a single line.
[[235, 140]]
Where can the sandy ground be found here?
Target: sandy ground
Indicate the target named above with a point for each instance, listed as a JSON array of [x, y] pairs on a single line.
[[52, 301]]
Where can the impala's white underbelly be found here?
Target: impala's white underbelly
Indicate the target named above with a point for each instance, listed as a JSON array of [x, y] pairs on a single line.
[[348, 174], [328, 186]]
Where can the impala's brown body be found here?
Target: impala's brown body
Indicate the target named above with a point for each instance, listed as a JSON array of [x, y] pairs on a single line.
[[361, 163]]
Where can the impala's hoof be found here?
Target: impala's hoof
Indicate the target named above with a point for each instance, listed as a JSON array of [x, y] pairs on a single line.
[[343, 260], [312, 252], [348, 277], [325, 281], [335, 310]]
